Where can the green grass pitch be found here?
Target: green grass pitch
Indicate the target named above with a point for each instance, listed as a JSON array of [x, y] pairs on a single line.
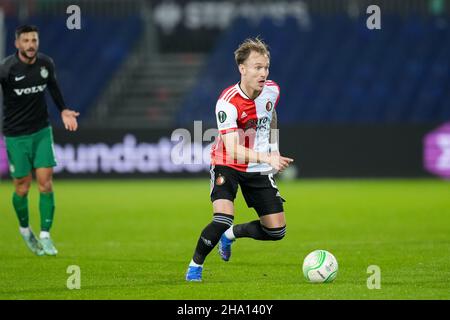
[[134, 239]]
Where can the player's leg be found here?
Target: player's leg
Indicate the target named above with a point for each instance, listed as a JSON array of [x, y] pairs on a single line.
[[44, 178], [20, 204], [19, 150], [44, 161], [222, 219], [223, 192], [261, 193], [20, 166], [20, 199], [210, 236], [224, 245], [268, 227]]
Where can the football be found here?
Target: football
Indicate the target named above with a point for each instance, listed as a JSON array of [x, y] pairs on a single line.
[[320, 266]]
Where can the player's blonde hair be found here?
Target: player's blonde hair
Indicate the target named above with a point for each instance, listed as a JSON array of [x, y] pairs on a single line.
[[251, 44]]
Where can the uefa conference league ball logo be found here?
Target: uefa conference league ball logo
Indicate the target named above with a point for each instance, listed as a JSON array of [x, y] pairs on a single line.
[[437, 151]]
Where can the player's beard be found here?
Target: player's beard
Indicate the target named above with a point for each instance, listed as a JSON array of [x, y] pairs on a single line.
[[30, 55]]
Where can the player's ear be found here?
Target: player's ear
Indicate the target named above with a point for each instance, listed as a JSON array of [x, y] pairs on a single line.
[[242, 69], [16, 43]]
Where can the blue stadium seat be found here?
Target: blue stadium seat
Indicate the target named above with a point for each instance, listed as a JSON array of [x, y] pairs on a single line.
[[338, 71], [85, 59]]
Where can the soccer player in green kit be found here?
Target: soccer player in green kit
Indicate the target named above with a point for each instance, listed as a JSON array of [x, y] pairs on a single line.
[[24, 76]]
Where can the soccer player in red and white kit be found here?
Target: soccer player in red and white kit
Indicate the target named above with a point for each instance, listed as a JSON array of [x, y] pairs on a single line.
[[245, 154]]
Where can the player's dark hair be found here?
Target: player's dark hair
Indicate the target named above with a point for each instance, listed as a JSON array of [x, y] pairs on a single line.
[[25, 29], [251, 44]]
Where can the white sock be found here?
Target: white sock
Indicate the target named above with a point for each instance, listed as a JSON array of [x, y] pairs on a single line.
[[25, 231], [229, 234], [44, 235], [193, 264]]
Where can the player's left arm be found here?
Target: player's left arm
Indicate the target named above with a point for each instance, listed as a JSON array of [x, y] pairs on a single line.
[[68, 117]]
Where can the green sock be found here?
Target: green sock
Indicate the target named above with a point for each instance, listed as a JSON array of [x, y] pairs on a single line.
[[21, 207], [47, 210]]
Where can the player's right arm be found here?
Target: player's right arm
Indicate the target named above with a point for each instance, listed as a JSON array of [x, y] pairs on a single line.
[[226, 115]]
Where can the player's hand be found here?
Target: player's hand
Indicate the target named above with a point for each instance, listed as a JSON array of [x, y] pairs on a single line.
[[278, 162], [69, 118]]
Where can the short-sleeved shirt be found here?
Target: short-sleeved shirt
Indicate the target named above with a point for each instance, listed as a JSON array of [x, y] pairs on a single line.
[[251, 118]]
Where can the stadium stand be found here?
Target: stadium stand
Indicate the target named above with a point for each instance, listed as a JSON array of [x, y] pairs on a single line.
[[338, 71], [102, 42]]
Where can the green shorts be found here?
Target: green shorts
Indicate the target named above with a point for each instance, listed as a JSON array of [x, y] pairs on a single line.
[[29, 152]]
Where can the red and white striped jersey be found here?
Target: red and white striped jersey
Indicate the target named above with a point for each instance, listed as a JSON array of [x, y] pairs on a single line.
[[251, 118]]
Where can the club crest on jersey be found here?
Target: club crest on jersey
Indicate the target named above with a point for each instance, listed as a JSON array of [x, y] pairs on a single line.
[[269, 105], [220, 180], [222, 116], [44, 72]]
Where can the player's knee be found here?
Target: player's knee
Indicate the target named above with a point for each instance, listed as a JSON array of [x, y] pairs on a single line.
[[275, 234], [22, 191], [45, 186], [22, 188]]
